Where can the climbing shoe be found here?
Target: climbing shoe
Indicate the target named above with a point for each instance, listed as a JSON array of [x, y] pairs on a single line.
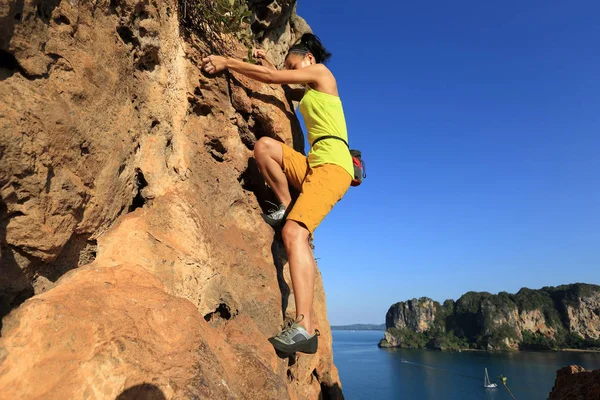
[[295, 338], [276, 216]]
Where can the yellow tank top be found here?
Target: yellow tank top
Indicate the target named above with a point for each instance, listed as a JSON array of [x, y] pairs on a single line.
[[324, 116]]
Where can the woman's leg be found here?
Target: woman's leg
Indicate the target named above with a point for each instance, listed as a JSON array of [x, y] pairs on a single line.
[[302, 270], [322, 188], [269, 157]]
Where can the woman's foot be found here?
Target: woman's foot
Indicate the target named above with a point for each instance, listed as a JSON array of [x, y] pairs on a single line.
[[294, 339], [275, 217]]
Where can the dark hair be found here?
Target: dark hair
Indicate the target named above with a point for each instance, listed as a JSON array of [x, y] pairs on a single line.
[[309, 43]]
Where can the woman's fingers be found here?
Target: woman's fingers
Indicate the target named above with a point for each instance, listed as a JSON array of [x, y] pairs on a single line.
[[259, 53], [207, 65], [213, 64]]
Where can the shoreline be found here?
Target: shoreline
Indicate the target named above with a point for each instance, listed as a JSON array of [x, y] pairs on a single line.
[[591, 351], [533, 351], [565, 350], [578, 350]]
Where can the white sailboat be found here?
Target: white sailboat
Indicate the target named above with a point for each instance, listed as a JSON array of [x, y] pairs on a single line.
[[487, 383]]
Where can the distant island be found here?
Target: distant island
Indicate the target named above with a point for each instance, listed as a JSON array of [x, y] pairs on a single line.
[[358, 327], [551, 318]]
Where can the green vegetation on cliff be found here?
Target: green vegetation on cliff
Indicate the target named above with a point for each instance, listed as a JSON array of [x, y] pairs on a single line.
[[566, 316], [409, 339]]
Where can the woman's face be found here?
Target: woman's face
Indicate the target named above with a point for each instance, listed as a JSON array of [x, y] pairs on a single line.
[[297, 61]]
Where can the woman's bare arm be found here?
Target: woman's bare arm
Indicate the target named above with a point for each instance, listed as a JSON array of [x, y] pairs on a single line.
[[312, 74], [294, 93]]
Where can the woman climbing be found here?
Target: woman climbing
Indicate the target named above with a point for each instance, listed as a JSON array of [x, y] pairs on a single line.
[[322, 178]]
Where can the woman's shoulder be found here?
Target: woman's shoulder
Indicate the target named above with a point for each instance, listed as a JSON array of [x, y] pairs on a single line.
[[327, 84]]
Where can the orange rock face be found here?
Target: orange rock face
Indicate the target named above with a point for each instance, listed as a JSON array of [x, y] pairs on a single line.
[[575, 383], [133, 256]]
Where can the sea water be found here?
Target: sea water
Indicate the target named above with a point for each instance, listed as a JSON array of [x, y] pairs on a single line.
[[368, 372]]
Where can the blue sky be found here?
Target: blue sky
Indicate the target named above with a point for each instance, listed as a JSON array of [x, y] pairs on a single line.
[[480, 126]]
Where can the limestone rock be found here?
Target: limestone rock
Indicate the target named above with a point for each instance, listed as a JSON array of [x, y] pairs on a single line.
[[565, 316], [279, 26], [130, 210], [584, 316], [575, 383], [390, 340], [534, 321], [417, 315]]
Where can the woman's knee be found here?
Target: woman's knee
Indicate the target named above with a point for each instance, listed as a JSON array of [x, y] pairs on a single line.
[[294, 232], [264, 147]]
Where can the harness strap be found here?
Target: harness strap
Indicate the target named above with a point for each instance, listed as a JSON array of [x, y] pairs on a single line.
[[330, 137]]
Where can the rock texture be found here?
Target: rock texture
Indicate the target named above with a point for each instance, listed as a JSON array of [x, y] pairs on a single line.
[[565, 316], [278, 24], [417, 315], [133, 255], [583, 316], [575, 383]]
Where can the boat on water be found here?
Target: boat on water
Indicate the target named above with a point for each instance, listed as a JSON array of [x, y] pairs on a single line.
[[486, 381]]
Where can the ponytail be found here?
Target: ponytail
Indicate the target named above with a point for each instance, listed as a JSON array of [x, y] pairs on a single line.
[[310, 43]]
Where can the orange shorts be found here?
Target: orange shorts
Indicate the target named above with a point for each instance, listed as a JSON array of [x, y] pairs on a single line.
[[321, 187]]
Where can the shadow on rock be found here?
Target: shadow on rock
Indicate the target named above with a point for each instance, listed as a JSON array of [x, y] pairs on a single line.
[[333, 392], [15, 287], [144, 391], [279, 259]]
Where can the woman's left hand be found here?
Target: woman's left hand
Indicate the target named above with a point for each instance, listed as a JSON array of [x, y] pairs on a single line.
[[213, 64], [259, 53]]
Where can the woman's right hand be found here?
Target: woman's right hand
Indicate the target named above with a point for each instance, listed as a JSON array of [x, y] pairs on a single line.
[[213, 64]]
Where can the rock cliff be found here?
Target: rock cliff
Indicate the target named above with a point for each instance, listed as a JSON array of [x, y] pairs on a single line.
[[133, 256], [575, 383], [565, 316]]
